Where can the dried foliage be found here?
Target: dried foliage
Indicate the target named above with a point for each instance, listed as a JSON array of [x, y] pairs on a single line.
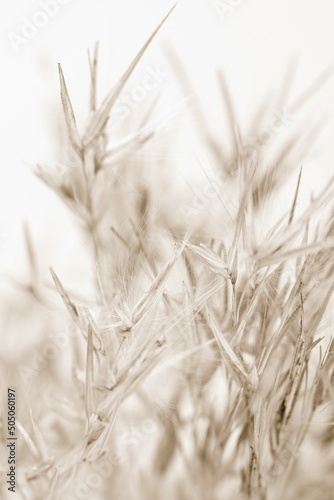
[[201, 368]]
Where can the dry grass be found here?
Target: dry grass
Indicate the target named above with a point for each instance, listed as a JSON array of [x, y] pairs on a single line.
[[201, 368]]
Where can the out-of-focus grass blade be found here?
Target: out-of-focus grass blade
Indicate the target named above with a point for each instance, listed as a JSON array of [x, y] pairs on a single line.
[[38, 439], [93, 75], [235, 131], [292, 212], [166, 449], [318, 315], [275, 258], [312, 89], [287, 82], [31, 254], [201, 122], [89, 372], [210, 259], [29, 442], [53, 484], [240, 219]]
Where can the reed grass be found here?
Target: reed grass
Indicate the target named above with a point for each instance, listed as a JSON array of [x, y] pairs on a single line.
[[202, 367]]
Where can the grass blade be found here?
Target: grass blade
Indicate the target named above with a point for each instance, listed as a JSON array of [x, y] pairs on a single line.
[[69, 114], [100, 118]]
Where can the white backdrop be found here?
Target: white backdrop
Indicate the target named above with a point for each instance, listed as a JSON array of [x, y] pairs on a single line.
[[252, 40]]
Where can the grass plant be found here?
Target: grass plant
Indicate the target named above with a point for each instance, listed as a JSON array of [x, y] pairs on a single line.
[[202, 366]]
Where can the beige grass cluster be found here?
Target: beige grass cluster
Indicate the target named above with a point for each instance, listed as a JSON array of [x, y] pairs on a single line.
[[203, 366]]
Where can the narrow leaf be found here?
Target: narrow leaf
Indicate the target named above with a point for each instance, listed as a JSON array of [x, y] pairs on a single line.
[[99, 119], [72, 309], [69, 114], [292, 213], [89, 372]]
